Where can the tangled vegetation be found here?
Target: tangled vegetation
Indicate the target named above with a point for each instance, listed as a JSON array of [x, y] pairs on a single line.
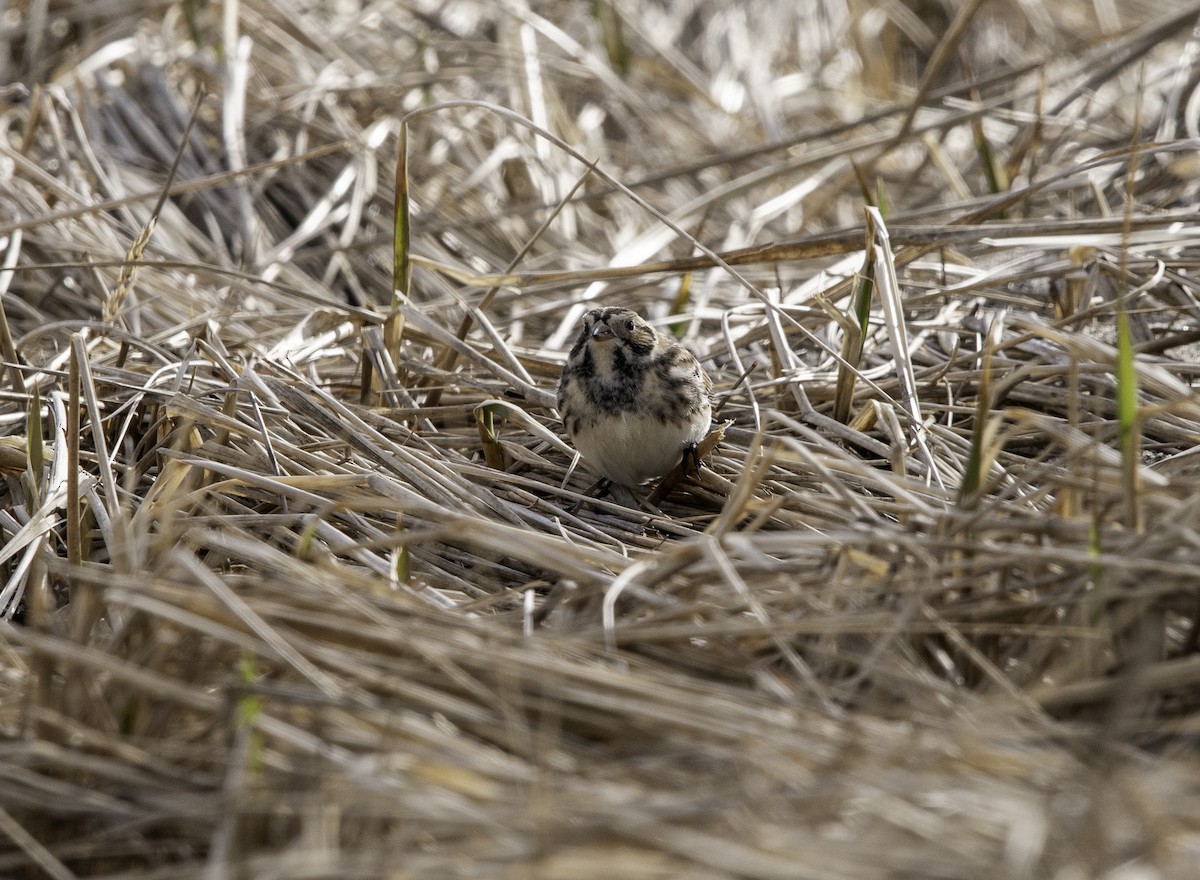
[[300, 579]]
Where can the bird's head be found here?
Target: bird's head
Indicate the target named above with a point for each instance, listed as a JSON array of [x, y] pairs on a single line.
[[623, 326]]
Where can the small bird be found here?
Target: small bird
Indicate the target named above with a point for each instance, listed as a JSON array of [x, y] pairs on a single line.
[[634, 402]]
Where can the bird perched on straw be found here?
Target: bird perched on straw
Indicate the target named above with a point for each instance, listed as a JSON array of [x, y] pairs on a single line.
[[634, 402]]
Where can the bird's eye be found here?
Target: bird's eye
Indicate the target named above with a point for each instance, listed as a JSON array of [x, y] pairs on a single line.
[[629, 325]]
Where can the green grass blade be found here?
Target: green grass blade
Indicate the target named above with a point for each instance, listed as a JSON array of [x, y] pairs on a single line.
[[33, 433], [612, 31], [979, 458], [680, 303], [854, 336], [401, 230], [401, 562], [862, 299], [1129, 441]]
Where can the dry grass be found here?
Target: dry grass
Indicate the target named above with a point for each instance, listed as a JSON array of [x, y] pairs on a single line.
[[297, 577]]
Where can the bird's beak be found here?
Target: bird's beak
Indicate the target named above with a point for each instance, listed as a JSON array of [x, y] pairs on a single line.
[[601, 330]]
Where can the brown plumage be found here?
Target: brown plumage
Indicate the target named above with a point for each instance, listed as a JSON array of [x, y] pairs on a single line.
[[634, 402]]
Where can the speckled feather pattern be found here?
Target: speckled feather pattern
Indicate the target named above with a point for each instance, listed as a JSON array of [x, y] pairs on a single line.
[[632, 399]]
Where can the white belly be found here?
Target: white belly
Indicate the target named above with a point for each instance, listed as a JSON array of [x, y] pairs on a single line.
[[630, 449]]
